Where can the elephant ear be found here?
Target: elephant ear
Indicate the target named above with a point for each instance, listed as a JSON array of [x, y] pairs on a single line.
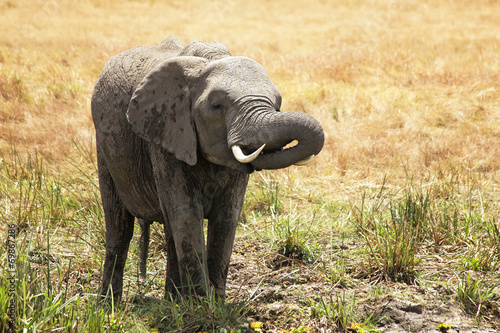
[[160, 108]]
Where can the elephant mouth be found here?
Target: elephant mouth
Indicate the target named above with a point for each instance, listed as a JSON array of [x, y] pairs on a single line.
[[246, 154], [268, 149], [265, 151]]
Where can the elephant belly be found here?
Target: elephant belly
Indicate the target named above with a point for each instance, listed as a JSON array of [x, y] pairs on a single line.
[[133, 178], [141, 201]]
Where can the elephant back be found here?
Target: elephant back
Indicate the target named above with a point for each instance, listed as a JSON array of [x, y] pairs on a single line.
[[127, 69], [210, 51]]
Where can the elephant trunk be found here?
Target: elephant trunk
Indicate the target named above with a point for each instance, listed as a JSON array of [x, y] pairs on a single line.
[[276, 130]]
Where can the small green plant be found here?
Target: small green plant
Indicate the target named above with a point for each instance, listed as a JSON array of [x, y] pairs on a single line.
[[196, 314], [341, 313], [392, 230], [493, 233], [477, 296], [268, 195], [336, 268], [482, 258], [291, 240]]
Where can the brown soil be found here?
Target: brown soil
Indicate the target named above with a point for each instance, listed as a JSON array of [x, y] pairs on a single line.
[[282, 297]]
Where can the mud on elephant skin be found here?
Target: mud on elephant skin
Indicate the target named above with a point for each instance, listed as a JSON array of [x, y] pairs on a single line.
[[178, 131]]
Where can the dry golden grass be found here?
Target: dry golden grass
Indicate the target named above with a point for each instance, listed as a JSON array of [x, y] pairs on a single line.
[[400, 87]]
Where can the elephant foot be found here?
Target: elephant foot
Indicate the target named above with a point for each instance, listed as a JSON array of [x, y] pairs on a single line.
[[220, 294], [173, 292], [181, 293], [107, 298]]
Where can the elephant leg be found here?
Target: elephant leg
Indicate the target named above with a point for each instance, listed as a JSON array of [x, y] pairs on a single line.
[[119, 231], [186, 263], [173, 279], [144, 244], [182, 208], [190, 249], [222, 223]]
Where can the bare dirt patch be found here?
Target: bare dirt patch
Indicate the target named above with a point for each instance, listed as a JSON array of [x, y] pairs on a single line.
[[286, 298]]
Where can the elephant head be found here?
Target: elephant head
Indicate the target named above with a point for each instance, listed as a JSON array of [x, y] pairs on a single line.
[[227, 110]]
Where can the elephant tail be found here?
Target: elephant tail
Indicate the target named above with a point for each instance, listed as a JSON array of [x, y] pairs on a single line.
[[144, 244]]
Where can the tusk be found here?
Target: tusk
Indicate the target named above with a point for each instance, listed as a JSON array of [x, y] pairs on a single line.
[[305, 160], [241, 157]]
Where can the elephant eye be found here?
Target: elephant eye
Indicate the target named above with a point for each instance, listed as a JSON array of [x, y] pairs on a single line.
[[216, 105], [216, 100]]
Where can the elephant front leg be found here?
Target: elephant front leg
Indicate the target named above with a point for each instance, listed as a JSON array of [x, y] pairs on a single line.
[[181, 203], [186, 265], [222, 223], [173, 278]]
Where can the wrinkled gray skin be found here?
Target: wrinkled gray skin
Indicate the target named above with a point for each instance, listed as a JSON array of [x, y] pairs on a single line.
[[165, 119]]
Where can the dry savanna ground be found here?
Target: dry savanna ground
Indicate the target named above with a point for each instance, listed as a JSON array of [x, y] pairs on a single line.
[[394, 227]]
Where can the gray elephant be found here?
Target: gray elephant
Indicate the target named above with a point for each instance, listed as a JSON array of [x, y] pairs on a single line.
[[178, 131]]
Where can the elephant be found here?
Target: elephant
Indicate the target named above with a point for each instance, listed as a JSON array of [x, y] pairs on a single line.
[[179, 129]]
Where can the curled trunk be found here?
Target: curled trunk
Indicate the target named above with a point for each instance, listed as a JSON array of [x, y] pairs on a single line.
[[276, 130]]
